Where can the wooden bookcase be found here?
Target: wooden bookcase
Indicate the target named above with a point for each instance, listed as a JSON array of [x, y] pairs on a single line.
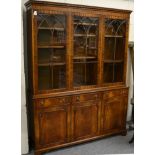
[[77, 57]]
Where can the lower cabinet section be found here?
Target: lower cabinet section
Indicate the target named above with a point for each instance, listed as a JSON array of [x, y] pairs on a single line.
[[61, 121]]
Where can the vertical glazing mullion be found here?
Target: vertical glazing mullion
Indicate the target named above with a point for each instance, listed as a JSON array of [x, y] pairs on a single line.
[[85, 59], [114, 59]]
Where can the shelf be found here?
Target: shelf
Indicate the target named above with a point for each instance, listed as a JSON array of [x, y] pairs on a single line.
[[51, 46], [114, 36], [84, 35], [82, 47], [84, 57], [51, 28], [93, 48], [85, 24], [86, 62], [113, 61], [51, 64]]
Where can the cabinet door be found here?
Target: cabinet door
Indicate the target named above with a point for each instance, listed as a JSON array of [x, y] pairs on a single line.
[[85, 55], [114, 50], [50, 51], [114, 112], [85, 120], [53, 125]]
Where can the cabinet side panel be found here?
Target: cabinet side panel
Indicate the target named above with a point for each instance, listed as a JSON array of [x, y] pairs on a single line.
[[29, 82]]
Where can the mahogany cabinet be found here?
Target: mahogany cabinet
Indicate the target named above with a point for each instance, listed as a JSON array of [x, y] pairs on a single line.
[[77, 58]]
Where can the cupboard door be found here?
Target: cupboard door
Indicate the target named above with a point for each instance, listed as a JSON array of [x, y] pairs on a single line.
[[53, 125], [114, 112], [114, 50], [51, 51], [85, 55], [85, 120]]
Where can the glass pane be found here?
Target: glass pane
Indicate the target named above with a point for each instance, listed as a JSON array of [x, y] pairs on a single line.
[[108, 72], [114, 50], [109, 49], [118, 74], [59, 78], [120, 47], [51, 51], [44, 77], [85, 51], [85, 74]]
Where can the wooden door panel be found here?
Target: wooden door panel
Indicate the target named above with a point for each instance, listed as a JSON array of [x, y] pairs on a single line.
[[53, 126], [85, 120], [113, 113]]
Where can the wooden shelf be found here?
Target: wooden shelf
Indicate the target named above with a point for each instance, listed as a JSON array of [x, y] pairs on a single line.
[[51, 64], [51, 46], [93, 48], [82, 47], [51, 28], [84, 57], [113, 61], [114, 36], [85, 24], [85, 62], [84, 35]]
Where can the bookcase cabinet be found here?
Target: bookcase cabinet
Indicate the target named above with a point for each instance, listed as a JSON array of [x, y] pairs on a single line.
[[77, 57]]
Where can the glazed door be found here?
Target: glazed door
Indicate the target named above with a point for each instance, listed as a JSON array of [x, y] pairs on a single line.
[[85, 120], [85, 51], [53, 125], [114, 50], [51, 51]]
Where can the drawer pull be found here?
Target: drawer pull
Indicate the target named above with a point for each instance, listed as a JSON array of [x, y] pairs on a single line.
[[62, 100], [95, 96], [42, 102], [78, 98]]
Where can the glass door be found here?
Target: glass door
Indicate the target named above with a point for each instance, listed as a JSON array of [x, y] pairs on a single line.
[[51, 45], [85, 51], [114, 49]]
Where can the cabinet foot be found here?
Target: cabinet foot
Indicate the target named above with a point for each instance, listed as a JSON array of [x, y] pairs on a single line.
[[124, 133], [37, 153]]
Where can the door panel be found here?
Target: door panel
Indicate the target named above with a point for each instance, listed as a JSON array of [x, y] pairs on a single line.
[[113, 113], [114, 110], [53, 125], [85, 120]]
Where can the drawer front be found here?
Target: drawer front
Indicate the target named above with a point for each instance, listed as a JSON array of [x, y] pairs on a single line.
[[86, 97], [114, 93], [111, 94], [48, 102]]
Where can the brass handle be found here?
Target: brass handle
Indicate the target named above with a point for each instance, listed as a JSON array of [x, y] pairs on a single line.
[[42, 102], [78, 98], [62, 100], [95, 96]]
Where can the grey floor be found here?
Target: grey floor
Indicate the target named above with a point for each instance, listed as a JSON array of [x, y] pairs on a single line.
[[110, 145]]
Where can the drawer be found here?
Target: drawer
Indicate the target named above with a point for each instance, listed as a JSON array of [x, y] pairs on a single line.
[[111, 94], [85, 97], [48, 102]]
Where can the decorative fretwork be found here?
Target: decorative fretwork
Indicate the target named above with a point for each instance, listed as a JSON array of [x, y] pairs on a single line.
[[115, 26], [56, 24]]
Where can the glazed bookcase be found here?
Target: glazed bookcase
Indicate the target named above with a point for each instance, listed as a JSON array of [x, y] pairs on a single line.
[[77, 58]]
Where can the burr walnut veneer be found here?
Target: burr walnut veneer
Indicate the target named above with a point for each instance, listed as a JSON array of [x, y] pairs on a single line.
[[77, 58]]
